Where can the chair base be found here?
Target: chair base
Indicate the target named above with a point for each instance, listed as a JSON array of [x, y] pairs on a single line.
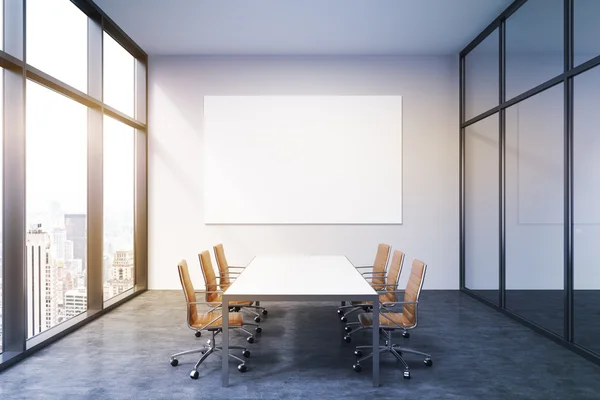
[[208, 349], [396, 350], [345, 311], [256, 310]]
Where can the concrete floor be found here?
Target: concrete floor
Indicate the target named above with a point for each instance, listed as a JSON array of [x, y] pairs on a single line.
[[477, 352]]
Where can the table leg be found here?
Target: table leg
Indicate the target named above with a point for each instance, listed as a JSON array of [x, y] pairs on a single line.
[[376, 342], [225, 344]]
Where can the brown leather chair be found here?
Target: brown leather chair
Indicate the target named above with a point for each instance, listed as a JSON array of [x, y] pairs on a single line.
[[376, 277], [391, 320], [210, 321], [214, 295], [227, 276], [387, 293]]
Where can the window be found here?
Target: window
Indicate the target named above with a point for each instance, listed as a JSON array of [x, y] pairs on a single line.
[[481, 75], [56, 184], [586, 208], [534, 45], [118, 206], [535, 209], [119, 77], [57, 40], [482, 152], [586, 30]]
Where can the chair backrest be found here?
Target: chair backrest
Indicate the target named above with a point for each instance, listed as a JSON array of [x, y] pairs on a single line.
[[413, 289], [393, 273], [188, 290], [223, 266], [210, 279], [381, 259]]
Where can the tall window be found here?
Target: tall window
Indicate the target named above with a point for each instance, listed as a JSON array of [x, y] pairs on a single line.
[[119, 76], [56, 206], [118, 207], [57, 40]]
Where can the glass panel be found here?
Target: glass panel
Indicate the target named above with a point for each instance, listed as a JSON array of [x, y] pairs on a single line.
[[481, 77], [119, 159], [56, 197], [481, 208], [586, 30], [534, 209], [119, 76], [534, 45], [586, 213], [57, 40]]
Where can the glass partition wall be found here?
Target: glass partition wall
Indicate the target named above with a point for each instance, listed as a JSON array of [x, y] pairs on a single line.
[[73, 120], [530, 169]]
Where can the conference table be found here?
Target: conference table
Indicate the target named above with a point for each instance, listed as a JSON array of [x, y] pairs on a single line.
[[300, 278]]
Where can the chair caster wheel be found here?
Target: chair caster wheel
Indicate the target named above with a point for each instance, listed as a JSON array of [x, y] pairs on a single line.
[[250, 339], [428, 362], [246, 353], [242, 368], [405, 335], [344, 319], [258, 329], [194, 374], [340, 312], [264, 312], [198, 334], [174, 362], [256, 319], [347, 339], [357, 367], [358, 353], [348, 329], [406, 375]]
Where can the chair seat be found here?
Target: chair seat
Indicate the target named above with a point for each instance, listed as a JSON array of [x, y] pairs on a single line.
[[397, 319], [382, 298], [235, 319], [219, 299]]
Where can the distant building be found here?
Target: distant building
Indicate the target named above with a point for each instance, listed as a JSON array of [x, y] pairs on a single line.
[[76, 231], [41, 282], [75, 302], [121, 274]]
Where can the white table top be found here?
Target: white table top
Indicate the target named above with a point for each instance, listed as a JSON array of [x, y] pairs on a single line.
[[300, 276]]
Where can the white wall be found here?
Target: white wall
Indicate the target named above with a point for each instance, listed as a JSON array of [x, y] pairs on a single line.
[[429, 86]]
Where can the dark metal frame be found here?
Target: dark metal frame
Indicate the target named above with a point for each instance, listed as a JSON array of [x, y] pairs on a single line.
[[566, 78], [15, 74]]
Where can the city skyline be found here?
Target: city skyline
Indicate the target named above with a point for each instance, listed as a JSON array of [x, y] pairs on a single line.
[[57, 277]]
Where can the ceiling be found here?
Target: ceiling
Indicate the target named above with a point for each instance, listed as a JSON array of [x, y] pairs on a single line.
[[302, 27]]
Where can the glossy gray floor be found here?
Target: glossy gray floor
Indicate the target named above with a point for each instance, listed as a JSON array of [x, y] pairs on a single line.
[[477, 353]]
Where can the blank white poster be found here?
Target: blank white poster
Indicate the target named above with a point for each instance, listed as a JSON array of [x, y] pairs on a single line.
[[303, 159]]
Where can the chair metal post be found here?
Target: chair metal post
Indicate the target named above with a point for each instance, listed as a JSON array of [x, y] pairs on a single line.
[[375, 341], [225, 345]]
